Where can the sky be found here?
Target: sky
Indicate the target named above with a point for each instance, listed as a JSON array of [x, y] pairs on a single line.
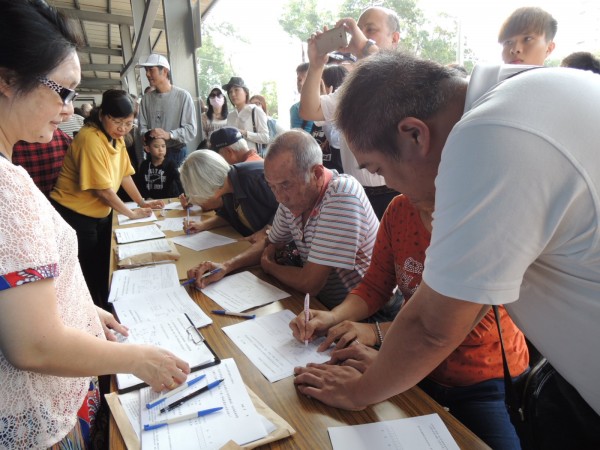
[[271, 54]]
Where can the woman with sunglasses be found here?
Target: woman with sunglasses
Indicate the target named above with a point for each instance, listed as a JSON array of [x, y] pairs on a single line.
[[53, 339], [216, 115], [85, 193]]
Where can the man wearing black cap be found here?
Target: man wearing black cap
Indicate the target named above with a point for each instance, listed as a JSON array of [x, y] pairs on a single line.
[[229, 143], [167, 111]]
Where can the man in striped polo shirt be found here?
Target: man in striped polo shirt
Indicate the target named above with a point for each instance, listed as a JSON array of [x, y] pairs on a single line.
[[326, 215]]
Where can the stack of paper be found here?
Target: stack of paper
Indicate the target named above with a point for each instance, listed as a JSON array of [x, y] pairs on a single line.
[[202, 240], [143, 279], [135, 234], [124, 220], [237, 421]]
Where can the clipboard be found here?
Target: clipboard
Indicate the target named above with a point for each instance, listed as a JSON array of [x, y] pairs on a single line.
[[198, 339], [215, 362]]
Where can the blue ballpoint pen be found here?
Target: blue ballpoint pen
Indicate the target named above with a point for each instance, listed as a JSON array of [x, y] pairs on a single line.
[[182, 400], [165, 396], [194, 415]]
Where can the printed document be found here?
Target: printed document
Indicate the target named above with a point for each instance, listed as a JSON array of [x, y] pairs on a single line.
[[143, 279], [202, 240], [242, 291], [415, 433], [157, 305], [238, 420], [124, 220], [173, 333], [268, 342], [135, 234], [139, 248]]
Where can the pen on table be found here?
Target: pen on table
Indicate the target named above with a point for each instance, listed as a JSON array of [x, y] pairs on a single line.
[[165, 396], [306, 315], [162, 423], [223, 312], [182, 400]]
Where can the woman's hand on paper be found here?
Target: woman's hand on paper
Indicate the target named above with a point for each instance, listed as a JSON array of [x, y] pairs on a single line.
[[159, 368], [140, 213], [111, 325]]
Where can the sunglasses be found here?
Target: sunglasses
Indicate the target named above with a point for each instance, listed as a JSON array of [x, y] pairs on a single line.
[[215, 94], [66, 95]]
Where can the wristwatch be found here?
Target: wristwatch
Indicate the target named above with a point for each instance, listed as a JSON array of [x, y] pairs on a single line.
[[368, 45]]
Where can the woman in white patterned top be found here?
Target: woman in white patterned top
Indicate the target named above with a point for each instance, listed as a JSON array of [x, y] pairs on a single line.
[[53, 339]]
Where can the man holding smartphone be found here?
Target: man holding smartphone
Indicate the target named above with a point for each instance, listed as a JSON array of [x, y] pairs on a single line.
[[377, 28]]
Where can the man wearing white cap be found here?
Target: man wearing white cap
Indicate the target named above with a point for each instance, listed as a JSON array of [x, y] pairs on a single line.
[[167, 111]]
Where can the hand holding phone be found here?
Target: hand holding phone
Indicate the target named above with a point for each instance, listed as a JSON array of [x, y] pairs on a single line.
[[331, 40]]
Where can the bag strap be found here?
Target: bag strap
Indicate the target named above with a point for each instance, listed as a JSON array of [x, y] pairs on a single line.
[[253, 121], [512, 399]]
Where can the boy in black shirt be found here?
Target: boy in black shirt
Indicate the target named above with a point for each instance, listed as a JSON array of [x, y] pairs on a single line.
[[157, 177]]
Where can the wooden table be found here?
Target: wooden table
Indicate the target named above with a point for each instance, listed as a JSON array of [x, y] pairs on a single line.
[[310, 418]]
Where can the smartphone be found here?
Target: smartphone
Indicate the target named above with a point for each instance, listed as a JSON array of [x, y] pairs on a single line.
[[332, 40]]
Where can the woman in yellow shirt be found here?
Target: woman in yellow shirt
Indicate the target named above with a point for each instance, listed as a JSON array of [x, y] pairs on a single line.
[[85, 193]]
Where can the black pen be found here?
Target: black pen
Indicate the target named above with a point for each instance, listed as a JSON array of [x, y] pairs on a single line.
[[190, 396]]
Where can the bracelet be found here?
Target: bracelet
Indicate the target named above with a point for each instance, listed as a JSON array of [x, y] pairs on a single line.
[[379, 334]]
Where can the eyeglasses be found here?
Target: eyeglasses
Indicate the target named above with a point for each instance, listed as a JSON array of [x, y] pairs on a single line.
[[121, 124], [67, 95]]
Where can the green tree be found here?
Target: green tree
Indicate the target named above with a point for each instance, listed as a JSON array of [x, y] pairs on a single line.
[[302, 17], [269, 92], [214, 66]]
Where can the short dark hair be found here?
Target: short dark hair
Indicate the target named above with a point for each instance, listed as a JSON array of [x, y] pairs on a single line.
[[387, 87], [583, 61], [302, 67], [528, 20], [115, 103], [333, 75], [34, 39]]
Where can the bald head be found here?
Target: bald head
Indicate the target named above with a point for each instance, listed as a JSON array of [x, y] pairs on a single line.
[[382, 25]]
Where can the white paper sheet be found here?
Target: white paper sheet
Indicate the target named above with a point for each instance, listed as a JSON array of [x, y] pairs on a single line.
[[138, 248], [415, 433], [124, 220], [157, 305], [143, 279], [237, 421], [242, 291], [202, 240], [268, 342], [173, 333], [171, 224], [135, 234]]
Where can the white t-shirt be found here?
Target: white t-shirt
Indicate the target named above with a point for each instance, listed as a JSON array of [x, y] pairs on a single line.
[[328, 105], [517, 214]]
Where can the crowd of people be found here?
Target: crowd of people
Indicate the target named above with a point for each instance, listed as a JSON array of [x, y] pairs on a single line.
[[408, 197]]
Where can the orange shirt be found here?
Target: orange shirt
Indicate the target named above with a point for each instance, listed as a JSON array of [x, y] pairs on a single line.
[[399, 259]]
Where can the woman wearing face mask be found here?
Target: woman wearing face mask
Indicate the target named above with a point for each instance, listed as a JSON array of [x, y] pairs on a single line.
[[216, 115]]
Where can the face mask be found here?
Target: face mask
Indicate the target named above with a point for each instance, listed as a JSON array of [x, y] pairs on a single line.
[[217, 101]]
